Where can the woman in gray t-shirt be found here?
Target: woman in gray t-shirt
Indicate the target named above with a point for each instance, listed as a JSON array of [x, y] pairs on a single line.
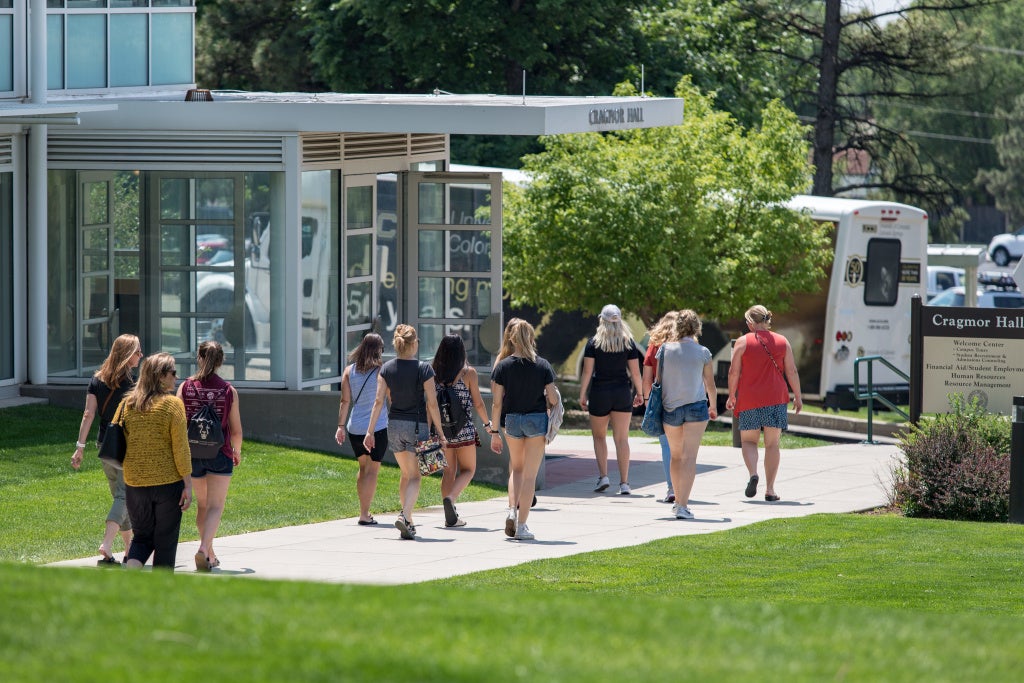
[[687, 382]]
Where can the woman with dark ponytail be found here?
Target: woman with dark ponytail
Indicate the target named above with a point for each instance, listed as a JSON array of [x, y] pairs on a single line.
[[211, 477]]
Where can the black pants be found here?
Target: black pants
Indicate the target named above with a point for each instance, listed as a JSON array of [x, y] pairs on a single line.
[[155, 512]]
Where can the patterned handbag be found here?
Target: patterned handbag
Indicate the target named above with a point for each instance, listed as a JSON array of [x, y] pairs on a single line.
[[430, 455]]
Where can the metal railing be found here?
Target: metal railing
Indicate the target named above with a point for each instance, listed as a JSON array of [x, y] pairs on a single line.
[[871, 395]]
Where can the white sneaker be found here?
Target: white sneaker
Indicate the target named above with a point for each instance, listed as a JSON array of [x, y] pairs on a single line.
[[624, 489], [682, 512], [523, 533], [602, 484]]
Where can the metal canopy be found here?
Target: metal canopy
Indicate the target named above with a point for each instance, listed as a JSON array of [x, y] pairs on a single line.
[[19, 110], [358, 113]]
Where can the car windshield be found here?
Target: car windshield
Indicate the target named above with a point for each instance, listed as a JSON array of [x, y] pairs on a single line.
[[948, 298]]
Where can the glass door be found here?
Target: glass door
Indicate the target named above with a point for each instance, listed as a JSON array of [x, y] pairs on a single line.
[[359, 295], [456, 260], [96, 318]]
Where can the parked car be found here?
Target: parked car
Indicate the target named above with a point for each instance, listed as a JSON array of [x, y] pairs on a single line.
[[1006, 247], [987, 298], [941, 278]]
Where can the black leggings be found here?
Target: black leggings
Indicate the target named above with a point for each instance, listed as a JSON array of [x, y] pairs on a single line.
[[155, 512]]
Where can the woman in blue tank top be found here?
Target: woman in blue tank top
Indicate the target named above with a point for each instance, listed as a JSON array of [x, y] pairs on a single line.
[[360, 381]]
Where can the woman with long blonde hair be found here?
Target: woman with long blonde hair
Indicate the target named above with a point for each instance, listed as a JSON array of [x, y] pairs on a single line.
[[408, 385], [157, 463], [108, 386], [661, 332], [522, 392], [610, 387]]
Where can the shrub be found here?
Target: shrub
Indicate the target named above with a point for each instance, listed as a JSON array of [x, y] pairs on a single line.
[[957, 466]]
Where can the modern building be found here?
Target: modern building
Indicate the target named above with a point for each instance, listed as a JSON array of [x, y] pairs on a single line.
[[285, 225]]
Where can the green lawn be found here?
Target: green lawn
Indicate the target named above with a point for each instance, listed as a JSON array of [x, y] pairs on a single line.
[[819, 598]]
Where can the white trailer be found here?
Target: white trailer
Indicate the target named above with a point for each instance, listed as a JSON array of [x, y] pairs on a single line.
[[863, 305]]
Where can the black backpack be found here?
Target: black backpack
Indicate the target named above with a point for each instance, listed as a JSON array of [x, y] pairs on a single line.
[[453, 413], [205, 436]]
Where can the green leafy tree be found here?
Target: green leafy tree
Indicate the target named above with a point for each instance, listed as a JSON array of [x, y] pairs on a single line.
[[663, 218], [1007, 180]]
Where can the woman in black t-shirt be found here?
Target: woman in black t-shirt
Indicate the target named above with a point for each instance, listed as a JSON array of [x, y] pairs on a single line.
[[610, 387], [408, 384], [108, 386], [523, 389]]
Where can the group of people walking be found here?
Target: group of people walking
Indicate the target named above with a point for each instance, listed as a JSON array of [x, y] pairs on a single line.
[[395, 403], [158, 478]]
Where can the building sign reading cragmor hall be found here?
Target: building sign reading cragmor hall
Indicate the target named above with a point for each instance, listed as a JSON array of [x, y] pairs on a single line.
[[976, 352], [613, 116]]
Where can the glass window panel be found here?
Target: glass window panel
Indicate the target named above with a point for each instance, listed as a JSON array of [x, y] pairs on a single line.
[[95, 297], [174, 198], [62, 281], [95, 344], [96, 203], [172, 49], [6, 52], [215, 198], [55, 52], [432, 292], [176, 335], [321, 270], [470, 204], [881, 276], [431, 250], [95, 239], [430, 338], [6, 3], [476, 354], [352, 339], [358, 302], [359, 255], [172, 291], [94, 260], [54, 3], [359, 208], [85, 4], [129, 3], [87, 51], [431, 203], [130, 52], [469, 251], [6, 286], [174, 250], [173, 3]]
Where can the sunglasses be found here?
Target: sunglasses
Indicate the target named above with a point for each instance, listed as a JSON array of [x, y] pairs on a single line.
[[173, 372]]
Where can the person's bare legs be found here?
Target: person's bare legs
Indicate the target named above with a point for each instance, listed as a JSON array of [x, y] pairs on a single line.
[[453, 484], [599, 432], [211, 506], [684, 442], [525, 457], [409, 483], [620, 436], [366, 485], [749, 439], [772, 457], [109, 534]]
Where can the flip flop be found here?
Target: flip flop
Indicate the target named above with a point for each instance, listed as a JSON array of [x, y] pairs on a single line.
[[751, 489], [771, 497], [369, 522], [107, 561], [202, 562]]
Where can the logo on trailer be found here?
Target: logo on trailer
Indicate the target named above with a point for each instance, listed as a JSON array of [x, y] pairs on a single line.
[[854, 271]]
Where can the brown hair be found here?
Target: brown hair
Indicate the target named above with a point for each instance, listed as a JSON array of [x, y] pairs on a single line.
[[519, 339], [118, 364], [150, 384], [209, 357], [687, 324], [663, 330], [369, 354]]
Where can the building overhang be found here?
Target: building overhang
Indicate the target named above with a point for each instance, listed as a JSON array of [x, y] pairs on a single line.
[[22, 113], [357, 113]]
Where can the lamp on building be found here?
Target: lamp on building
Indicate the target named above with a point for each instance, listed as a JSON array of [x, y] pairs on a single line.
[[198, 95]]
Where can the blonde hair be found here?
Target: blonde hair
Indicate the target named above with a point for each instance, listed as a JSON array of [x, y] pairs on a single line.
[[758, 314], [687, 324], [150, 384], [209, 357], [118, 364], [663, 330], [405, 337], [518, 340], [613, 335]]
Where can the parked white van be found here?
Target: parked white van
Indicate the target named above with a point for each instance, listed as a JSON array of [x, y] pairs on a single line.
[[941, 278]]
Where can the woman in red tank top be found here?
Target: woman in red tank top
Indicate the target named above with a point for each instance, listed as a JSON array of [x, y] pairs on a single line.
[[762, 366]]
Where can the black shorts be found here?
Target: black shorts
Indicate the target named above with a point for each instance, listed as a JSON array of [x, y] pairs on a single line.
[[605, 400], [380, 445]]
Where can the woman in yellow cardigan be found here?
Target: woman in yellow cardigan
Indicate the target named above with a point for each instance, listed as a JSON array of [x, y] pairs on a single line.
[[157, 463]]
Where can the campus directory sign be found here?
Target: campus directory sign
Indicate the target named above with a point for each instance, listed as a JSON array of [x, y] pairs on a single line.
[[975, 352]]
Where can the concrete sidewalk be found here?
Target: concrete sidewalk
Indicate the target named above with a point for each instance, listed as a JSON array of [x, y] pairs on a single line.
[[569, 517]]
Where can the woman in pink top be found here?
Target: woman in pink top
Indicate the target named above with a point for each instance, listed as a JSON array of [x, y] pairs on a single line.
[[762, 364]]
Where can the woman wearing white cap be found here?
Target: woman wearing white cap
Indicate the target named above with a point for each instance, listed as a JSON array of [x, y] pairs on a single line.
[[609, 390]]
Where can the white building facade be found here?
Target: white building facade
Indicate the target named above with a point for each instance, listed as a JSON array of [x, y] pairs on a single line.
[[285, 225]]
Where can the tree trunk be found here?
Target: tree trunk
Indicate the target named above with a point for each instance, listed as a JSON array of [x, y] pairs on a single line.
[[825, 122]]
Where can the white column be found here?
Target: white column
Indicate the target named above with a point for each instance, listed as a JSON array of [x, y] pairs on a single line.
[[37, 271]]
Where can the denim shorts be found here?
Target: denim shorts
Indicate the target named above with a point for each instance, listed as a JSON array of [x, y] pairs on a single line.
[[221, 464], [403, 436], [688, 412], [526, 425]]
